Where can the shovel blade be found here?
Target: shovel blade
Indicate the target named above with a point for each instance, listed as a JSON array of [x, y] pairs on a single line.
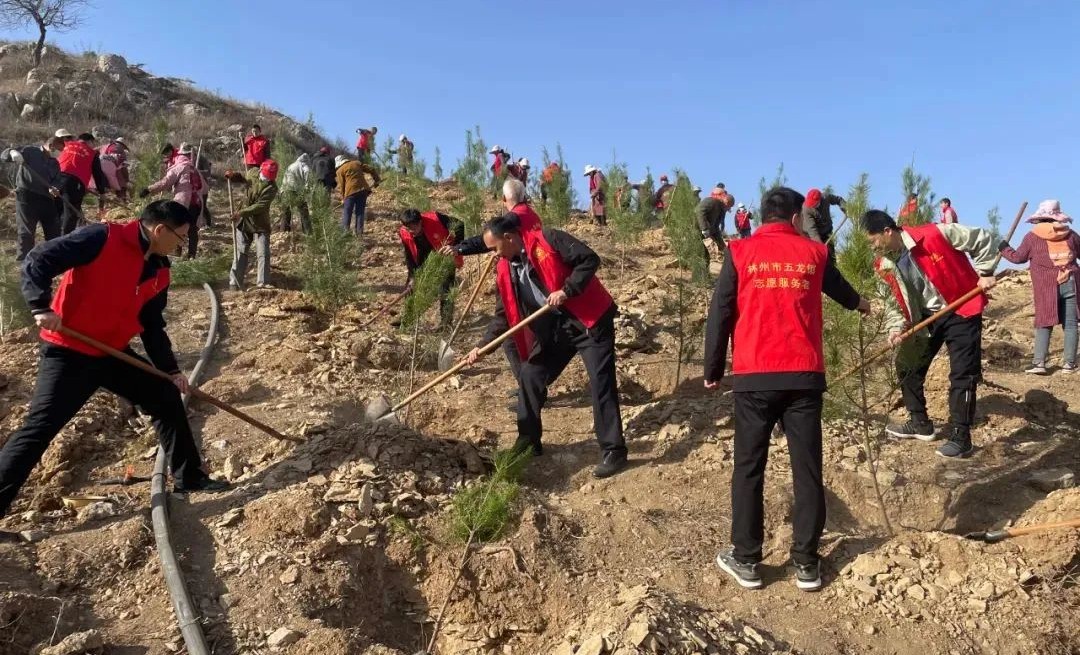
[[446, 356]]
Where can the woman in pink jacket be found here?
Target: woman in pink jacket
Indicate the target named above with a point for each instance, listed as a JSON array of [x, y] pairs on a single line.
[[186, 185]]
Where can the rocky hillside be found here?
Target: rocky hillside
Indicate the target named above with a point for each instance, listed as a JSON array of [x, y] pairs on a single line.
[[105, 94]]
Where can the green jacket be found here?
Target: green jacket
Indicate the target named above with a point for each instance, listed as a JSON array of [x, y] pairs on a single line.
[[255, 214]]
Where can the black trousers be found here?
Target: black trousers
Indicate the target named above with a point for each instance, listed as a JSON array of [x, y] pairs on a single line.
[[756, 413], [305, 217], [597, 348], [962, 337], [65, 381], [31, 210], [72, 192]]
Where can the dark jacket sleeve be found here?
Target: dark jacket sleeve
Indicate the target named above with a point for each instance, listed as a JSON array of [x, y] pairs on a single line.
[[834, 200], [577, 256], [52, 258], [1020, 255], [155, 339], [497, 325], [721, 321], [471, 246], [836, 287], [100, 181]]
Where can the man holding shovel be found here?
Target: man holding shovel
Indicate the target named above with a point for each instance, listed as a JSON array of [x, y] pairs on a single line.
[[923, 269], [423, 233], [550, 267], [115, 286]]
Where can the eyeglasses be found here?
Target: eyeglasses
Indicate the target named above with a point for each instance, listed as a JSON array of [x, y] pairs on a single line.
[[175, 233]]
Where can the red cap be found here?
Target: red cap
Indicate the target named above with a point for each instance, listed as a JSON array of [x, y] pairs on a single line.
[[269, 169], [813, 197]]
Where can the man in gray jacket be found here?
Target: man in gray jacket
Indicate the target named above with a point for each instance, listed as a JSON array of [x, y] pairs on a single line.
[[37, 183], [816, 218]]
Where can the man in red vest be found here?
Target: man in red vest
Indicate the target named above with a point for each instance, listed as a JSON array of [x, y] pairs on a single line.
[[365, 143], [114, 287], [422, 233], [767, 302], [948, 214], [550, 267], [924, 268], [79, 163], [516, 202], [660, 198], [256, 148]]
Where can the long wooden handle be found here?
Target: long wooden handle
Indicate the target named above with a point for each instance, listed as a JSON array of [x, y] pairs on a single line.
[[472, 298], [915, 329], [386, 307], [1029, 529], [464, 362], [202, 395]]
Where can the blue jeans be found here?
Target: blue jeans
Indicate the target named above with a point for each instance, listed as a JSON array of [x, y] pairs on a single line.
[[1067, 317], [355, 206]]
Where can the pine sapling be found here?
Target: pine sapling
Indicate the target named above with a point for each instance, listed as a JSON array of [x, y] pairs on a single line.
[[627, 225], [913, 182], [14, 313], [328, 252]]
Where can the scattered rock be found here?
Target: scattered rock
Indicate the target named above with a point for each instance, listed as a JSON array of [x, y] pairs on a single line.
[[359, 532], [233, 467], [97, 511], [78, 643], [29, 111], [593, 646], [231, 517], [33, 536], [1052, 479], [291, 575], [365, 504], [377, 408], [112, 65], [283, 637]]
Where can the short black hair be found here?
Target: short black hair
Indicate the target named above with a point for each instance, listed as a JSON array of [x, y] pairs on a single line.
[[256, 126], [947, 201], [876, 221], [720, 185], [86, 136], [501, 225], [780, 203], [912, 195], [410, 216], [167, 212], [167, 149]]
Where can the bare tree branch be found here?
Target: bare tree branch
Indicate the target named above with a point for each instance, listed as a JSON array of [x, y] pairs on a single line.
[[58, 15]]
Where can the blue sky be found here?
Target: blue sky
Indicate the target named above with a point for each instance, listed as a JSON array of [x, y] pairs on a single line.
[[984, 95]]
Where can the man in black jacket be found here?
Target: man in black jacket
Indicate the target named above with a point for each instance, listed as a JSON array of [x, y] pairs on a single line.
[[552, 268], [817, 220], [37, 186], [767, 302], [94, 298], [323, 169], [418, 230]]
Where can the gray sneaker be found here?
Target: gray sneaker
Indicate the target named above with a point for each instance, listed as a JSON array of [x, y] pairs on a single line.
[[745, 574], [912, 429], [1068, 368], [808, 576], [956, 449], [1036, 369]]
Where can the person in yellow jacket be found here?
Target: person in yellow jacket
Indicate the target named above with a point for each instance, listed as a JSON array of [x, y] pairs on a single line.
[[354, 188]]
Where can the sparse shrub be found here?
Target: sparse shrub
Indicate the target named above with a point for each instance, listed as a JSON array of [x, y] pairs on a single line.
[[199, 271], [14, 313], [328, 251]]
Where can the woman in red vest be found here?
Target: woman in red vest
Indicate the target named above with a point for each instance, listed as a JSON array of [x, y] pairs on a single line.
[[551, 267], [926, 268], [767, 303], [79, 164], [424, 233], [114, 286]]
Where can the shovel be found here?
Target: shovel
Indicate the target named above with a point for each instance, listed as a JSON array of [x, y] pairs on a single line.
[[446, 353], [373, 412], [387, 306], [994, 536], [202, 395]]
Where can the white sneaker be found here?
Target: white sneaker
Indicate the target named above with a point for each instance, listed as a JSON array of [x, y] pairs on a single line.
[[1036, 369]]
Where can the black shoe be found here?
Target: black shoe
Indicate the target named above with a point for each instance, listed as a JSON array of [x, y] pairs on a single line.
[[611, 464], [808, 576], [912, 429], [524, 444], [746, 574], [205, 484]]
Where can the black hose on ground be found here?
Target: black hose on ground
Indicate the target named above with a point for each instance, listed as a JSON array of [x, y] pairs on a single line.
[[186, 616]]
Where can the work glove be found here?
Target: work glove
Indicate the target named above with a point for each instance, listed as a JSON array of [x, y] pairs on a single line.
[[144, 193]]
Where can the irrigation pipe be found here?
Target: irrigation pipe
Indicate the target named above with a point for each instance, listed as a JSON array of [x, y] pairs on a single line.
[[186, 616]]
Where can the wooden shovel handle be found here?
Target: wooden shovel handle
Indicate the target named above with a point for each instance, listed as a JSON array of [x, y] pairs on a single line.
[[1029, 529], [472, 298], [483, 351], [202, 395], [386, 307]]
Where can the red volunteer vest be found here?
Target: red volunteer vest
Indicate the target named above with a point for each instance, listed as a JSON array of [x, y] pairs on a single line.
[[530, 220], [949, 216], [103, 298], [946, 268], [256, 151], [77, 159], [890, 279], [588, 307], [742, 220], [779, 324], [435, 233], [497, 165]]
